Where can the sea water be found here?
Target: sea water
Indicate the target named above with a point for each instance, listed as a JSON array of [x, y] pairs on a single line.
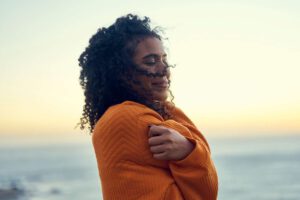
[[261, 168]]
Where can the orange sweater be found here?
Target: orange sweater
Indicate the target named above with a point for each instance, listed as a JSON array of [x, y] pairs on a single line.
[[127, 168]]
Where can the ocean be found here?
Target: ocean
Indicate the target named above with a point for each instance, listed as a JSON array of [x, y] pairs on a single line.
[[261, 168]]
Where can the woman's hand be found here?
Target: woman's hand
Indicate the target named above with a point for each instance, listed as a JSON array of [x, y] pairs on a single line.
[[167, 144]]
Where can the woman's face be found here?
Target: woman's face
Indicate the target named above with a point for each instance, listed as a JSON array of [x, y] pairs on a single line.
[[151, 60]]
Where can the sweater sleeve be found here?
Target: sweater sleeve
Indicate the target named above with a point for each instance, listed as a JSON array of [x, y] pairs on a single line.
[[126, 167], [128, 170], [195, 175]]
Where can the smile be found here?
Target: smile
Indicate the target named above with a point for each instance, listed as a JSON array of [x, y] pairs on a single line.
[[162, 84]]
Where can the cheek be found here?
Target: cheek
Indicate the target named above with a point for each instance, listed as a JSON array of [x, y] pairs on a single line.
[[145, 81], [168, 73]]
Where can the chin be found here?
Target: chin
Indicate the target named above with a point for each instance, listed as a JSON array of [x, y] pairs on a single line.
[[161, 96]]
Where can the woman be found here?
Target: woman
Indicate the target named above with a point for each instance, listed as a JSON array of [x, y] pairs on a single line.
[[146, 147]]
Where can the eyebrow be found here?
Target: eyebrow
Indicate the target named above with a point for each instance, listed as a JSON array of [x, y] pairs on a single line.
[[153, 55]]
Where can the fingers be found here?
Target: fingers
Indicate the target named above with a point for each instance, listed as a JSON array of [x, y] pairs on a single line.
[[157, 135], [160, 156], [157, 149], [156, 130], [156, 140]]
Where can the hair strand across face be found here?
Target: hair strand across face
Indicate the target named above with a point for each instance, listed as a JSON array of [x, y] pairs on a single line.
[[107, 60]]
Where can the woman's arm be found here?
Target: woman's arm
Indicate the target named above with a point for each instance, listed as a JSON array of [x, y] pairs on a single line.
[[195, 174], [128, 169], [192, 169], [126, 166]]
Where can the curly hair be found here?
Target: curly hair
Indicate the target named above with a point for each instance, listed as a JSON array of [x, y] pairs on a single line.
[[107, 59]]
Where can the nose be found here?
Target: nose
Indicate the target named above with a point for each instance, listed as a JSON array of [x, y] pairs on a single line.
[[162, 68]]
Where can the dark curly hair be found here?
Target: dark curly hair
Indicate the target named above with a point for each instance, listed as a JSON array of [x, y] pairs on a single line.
[[106, 60]]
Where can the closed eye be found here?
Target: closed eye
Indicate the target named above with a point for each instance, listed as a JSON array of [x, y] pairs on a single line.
[[152, 59], [150, 63]]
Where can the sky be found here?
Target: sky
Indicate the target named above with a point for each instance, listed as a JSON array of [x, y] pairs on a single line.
[[237, 62]]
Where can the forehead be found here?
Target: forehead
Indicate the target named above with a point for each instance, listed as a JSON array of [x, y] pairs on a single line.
[[150, 45]]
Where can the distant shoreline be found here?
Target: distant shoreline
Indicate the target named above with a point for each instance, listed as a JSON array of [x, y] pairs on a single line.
[[11, 193]]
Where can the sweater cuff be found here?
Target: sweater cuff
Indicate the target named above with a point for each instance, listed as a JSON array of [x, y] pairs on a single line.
[[198, 156], [178, 127]]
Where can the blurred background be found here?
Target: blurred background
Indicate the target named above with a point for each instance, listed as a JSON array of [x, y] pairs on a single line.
[[236, 76]]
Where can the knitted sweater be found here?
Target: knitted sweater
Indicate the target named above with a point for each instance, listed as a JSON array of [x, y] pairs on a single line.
[[126, 165]]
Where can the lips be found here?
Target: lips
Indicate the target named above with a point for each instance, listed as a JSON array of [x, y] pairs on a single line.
[[161, 84]]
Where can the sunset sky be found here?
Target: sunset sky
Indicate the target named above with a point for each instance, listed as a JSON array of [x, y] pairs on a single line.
[[237, 73]]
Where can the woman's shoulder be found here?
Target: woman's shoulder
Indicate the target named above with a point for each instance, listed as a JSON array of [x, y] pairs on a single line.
[[127, 111], [125, 108]]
